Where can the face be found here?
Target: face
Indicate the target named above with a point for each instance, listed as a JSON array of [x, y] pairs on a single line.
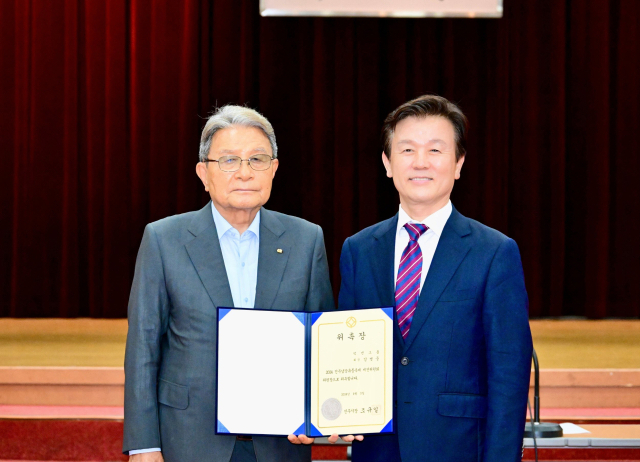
[[245, 189], [423, 163]]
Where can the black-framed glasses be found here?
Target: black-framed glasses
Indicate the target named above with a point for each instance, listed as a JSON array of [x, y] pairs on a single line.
[[257, 162]]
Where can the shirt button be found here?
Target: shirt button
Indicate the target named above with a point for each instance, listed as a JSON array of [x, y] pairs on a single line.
[[404, 361], [246, 299]]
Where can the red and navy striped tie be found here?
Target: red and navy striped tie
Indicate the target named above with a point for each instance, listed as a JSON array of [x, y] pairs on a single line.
[[408, 280]]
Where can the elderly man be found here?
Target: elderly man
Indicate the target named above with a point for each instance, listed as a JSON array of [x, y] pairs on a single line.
[[462, 336], [232, 252]]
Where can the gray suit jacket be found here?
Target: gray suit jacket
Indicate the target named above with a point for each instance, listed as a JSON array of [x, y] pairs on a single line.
[[170, 361]]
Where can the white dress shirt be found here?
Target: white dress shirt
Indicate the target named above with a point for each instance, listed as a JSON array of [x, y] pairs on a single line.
[[427, 242], [240, 254]]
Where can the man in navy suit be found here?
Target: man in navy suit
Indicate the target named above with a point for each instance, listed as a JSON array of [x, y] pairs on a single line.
[[462, 341]]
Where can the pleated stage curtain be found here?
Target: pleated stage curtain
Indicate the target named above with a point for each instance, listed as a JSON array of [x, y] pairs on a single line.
[[102, 103]]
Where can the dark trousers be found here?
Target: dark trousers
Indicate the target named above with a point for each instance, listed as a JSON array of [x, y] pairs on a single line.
[[243, 452]]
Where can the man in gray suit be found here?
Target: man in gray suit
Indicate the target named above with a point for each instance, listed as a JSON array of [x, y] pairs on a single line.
[[232, 252]]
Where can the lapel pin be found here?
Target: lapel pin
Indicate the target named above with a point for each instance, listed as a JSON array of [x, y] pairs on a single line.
[[279, 250]]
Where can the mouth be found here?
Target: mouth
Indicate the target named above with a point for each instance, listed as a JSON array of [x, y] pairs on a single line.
[[420, 179]]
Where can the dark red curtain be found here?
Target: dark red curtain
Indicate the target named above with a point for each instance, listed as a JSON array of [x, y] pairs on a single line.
[[102, 102]]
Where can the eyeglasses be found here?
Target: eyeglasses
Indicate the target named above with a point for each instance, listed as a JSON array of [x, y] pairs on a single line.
[[257, 162]]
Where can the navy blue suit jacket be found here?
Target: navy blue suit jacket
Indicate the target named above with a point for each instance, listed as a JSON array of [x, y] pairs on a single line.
[[462, 396]]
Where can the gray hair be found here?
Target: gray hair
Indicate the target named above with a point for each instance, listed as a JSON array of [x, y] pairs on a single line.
[[229, 115]]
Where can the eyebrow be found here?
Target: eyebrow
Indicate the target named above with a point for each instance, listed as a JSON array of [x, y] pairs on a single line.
[[435, 140], [232, 151]]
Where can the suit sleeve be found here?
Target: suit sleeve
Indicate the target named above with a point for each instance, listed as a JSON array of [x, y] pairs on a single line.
[[346, 298], [148, 318], [509, 349], [320, 294]]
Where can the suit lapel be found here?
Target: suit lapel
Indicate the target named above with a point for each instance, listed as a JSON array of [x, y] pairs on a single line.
[[451, 250], [271, 262], [383, 256], [382, 260], [206, 256]]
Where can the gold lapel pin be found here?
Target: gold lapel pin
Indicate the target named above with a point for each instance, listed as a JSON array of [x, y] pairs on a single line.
[[279, 250]]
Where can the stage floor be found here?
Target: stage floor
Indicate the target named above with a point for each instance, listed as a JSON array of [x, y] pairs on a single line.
[[69, 372], [563, 344], [62, 342]]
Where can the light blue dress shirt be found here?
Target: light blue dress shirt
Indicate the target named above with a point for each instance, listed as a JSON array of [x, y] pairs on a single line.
[[240, 254]]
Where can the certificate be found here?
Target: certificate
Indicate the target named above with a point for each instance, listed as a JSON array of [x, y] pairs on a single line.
[[352, 372], [290, 372]]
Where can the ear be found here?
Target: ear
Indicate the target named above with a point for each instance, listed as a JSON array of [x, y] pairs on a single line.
[[387, 165], [201, 171], [274, 166], [459, 167]]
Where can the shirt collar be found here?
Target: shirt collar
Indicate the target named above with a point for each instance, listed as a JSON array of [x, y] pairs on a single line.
[[435, 221], [222, 225]]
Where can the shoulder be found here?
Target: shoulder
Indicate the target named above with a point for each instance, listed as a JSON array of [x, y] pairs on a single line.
[[292, 228], [483, 237], [362, 238], [173, 223], [486, 233], [380, 227], [173, 231], [180, 229], [289, 222]]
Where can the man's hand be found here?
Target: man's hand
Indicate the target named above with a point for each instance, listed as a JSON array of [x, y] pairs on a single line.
[[300, 439], [347, 438], [155, 456]]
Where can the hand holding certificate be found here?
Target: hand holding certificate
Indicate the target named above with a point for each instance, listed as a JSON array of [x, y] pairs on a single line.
[[317, 374]]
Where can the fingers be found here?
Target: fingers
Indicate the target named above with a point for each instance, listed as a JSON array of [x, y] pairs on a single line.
[[300, 439], [350, 438], [147, 457], [305, 440]]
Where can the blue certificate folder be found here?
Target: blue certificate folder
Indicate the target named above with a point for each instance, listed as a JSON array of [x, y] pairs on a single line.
[[292, 372]]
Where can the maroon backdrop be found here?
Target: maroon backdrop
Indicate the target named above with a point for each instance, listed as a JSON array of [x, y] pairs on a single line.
[[102, 102]]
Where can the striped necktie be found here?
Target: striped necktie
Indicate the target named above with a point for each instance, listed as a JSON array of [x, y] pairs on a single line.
[[408, 280]]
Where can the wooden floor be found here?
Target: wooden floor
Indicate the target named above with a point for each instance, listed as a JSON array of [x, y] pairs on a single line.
[[587, 344], [62, 342], [100, 343]]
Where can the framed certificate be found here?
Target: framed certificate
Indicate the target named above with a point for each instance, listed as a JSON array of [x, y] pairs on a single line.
[[291, 372]]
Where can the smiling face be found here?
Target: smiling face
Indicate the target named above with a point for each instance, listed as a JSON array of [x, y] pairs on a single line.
[[245, 190], [423, 164]]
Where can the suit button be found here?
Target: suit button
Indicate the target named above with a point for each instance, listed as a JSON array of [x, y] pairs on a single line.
[[404, 361]]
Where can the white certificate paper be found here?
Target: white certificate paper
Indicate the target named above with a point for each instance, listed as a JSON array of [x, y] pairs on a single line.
[[289, 372], [352, 372], [261, 380]]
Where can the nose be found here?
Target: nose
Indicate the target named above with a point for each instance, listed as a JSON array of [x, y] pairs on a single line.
[[245, 172], [421, 159]]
